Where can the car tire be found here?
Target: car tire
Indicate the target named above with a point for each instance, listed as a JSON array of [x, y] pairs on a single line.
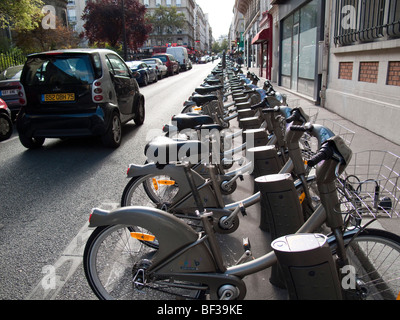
[[140, 113], [112, 138], [30, 142], [145, 80], [6, 127]]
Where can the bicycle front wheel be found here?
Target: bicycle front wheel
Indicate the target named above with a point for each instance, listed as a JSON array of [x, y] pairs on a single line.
[[374, 256], [116, 261]]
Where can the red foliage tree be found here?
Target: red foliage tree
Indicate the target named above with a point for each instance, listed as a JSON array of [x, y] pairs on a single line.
[[104, 23]]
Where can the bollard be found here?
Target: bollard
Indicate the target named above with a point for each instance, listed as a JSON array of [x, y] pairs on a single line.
[[308, 267], [281, 212]]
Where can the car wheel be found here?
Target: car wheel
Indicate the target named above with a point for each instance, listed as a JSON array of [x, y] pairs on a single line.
[[6, 127], [145, 80], [155, 77], [31, 142], [139, 113], [112, 138]]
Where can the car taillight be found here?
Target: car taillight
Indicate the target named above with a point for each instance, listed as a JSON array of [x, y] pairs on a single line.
[[97, 90]]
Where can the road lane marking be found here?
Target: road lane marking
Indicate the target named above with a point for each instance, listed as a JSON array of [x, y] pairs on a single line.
[[56, 275]]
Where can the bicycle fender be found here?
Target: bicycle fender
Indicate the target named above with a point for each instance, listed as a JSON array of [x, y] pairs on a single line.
[[174, 237]]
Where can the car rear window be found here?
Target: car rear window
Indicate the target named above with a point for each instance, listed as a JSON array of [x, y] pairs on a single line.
[[59, 69], [162, 58]]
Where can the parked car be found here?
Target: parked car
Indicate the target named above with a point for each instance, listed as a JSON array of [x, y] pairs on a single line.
[[143, 73], [203, 59], [157, 64], [11, 90], [169, 61], [78, 92], [181, 55], [6, 125]]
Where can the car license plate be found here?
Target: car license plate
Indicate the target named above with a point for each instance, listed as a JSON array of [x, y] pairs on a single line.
[[54, 97], [8, 92]]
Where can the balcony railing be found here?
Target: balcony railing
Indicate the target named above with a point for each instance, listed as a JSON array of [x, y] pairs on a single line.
[[366, 20]]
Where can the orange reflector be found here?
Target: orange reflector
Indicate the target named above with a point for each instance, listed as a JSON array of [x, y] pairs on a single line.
[[166, 182], [302, 197], [155, 184], [398, 297], [197, 109], [305, 162], [142, 236]]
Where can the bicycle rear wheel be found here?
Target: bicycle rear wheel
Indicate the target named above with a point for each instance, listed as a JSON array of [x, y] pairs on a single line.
[[375, 256], [116, 262], [152, 190]]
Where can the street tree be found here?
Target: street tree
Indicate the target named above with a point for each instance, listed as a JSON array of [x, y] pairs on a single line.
[[166, 20], [40, 39], [20, 14], [104, 23]]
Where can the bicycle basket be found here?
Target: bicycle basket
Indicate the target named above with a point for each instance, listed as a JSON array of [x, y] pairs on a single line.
[[309, 144], [369, 185]]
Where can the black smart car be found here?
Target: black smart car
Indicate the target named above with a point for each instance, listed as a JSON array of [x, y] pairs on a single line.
[[78, 92]]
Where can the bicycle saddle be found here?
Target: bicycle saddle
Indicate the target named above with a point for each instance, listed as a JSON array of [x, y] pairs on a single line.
[[210, 127], [213, 81], [200, 100], [191, 120], [207, 89], [163, 150]]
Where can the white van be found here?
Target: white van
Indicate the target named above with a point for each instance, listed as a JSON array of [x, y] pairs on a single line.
[[181, 55]]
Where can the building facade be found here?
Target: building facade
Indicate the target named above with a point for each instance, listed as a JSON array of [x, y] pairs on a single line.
[[341, 54], [363, 82], [183, 36]]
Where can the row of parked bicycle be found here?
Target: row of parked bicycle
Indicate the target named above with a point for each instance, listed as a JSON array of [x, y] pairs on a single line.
[[314, 199]]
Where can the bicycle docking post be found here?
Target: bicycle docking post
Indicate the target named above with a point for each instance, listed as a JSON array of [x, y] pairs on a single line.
[[251, 122], [308, 268], [280, 211], [266, 160]]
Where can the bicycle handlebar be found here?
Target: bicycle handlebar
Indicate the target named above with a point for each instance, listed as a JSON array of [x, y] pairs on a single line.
[[296, 116], [326, 152]]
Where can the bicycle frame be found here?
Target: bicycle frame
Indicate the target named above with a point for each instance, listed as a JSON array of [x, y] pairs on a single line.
[[187, 257]]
